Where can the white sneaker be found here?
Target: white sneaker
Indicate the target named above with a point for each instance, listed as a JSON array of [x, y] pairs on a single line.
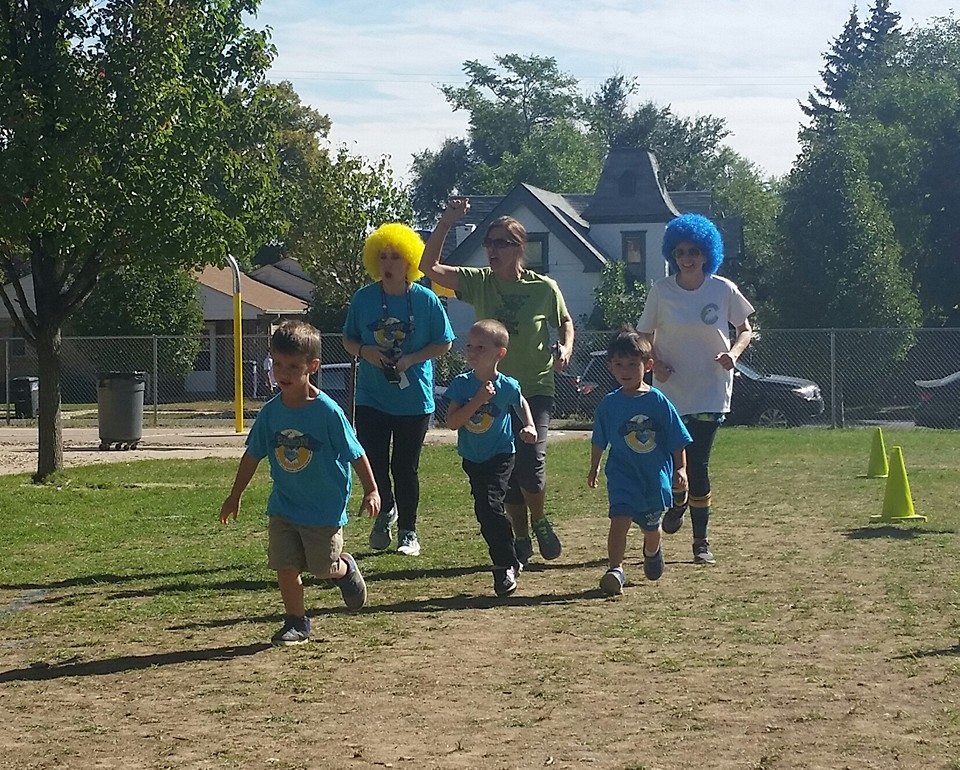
[[407, 542]]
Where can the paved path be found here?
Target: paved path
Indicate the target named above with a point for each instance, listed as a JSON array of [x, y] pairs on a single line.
[[18, 446]]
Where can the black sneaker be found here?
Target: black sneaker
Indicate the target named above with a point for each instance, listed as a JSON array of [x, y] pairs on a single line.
[[352, 587], [653, 565], [547, 540], [673, 520], [504, 581], [294, 631], [702, 553]]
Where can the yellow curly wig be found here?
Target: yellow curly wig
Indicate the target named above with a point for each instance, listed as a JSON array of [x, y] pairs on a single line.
[[396, 237]]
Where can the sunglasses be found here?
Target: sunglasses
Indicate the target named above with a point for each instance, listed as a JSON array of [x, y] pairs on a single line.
[[693, 251], [498, 244]]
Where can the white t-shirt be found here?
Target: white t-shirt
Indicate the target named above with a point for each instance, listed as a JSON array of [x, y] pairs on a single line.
[[268, 370], [690, 329]]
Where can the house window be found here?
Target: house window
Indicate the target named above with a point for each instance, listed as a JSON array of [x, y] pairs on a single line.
[[536, 254], [635, 254]]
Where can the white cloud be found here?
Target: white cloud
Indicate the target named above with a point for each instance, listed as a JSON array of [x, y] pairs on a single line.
[[374, 67]]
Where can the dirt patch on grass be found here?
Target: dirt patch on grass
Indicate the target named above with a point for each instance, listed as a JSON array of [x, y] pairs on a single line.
[[809, 645]]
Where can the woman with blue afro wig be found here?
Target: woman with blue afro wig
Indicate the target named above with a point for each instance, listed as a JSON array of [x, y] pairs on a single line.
[[395, 327], [688, 316], [702, 233]]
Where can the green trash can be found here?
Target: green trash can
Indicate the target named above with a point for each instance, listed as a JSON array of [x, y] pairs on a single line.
[[120, 408]]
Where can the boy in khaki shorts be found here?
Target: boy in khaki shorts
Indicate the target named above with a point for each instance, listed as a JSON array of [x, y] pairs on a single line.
[[310, 446]]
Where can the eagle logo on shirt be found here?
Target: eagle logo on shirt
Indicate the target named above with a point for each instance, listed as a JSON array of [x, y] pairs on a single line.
[[640, 433], [483, 418], [510, 308], [389, 334], [293, 450], [710, 314]]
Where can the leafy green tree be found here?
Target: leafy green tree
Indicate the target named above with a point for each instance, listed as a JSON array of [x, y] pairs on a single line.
[[132, 132], [350, 197], [618, 300], [840, 262], [517, 109], [147, 299], [512, 103], [438, 175]]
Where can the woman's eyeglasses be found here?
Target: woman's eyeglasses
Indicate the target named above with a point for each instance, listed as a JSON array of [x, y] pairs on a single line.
[[498, 244], [693, 251]]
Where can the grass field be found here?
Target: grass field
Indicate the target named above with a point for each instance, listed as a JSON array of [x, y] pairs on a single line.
[[134, 629]]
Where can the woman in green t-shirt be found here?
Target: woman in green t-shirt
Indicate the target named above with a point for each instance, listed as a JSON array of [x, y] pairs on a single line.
[[529, 305]]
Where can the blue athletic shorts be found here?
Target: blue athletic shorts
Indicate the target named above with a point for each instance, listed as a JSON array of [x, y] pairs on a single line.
[[648, 522]]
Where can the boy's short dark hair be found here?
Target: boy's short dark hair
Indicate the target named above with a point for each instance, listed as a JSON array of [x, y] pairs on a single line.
[[494, 330], [629, 343], [296, 338]]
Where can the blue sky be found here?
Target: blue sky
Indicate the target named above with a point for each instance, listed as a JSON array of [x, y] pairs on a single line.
[[375, 68]]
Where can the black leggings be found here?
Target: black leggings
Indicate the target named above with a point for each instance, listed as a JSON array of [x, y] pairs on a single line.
[[698, 472], [375, 429], [698, 455]]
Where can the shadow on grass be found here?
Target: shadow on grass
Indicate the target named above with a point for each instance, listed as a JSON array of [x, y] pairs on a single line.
[[126, 663], [439, 604], [954, 650], [105, 578], [895, 533]]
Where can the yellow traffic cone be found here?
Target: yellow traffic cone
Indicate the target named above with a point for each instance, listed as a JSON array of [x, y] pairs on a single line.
[[877, 467], [897, 502]]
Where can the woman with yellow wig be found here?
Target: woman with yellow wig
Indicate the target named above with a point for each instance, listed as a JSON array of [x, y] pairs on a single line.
[[396, 327]]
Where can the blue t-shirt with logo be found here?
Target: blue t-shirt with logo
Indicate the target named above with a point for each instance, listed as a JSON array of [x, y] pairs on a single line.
[[642, 432], [390, 332], [489, 432], [310, 449]]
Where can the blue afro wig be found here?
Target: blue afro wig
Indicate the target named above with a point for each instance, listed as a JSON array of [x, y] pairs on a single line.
[[701, 232]]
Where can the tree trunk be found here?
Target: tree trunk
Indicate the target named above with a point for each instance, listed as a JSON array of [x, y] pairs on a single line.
[[50, 428]]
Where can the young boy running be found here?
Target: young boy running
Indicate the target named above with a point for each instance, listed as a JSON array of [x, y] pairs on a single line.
[[311, 447], [481, 402], [646, 439]]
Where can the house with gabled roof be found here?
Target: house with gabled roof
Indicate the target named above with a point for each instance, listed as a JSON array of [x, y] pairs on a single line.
[[571, 237], [262, 308]]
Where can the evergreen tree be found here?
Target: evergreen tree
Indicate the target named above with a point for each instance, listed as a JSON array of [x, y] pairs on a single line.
[[843, 60]]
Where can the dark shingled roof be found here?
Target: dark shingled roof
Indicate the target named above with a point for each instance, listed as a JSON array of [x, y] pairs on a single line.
[[629, 190]]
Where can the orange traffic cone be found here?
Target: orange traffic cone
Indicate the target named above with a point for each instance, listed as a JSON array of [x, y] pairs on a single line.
[[897, 502], [877, 466]]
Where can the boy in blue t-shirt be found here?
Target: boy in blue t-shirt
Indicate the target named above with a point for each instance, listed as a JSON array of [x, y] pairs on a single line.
[[310, 446], [481, 402], [647, 460]]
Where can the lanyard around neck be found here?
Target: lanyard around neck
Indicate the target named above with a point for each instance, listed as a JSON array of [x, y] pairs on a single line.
[[386, 312]]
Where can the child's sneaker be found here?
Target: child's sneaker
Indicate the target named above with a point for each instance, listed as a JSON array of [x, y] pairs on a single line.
[[294, 631], [407, 543], [524, 548], [653, 565], [504, 581], [547, 540], [702, 553], [612, 581], [352, 587], [380, 534], [673, 519]]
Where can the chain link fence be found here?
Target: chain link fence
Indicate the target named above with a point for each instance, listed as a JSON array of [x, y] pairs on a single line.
[[787, 377]]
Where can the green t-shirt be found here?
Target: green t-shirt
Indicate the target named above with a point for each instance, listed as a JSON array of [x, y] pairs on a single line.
[[528, 308]]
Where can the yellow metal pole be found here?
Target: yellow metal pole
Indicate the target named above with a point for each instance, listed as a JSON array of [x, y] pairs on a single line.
[[237, 347]]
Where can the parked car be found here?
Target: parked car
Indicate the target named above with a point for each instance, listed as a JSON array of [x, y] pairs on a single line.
[[772, 400], [939, 405], [769, 400]]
